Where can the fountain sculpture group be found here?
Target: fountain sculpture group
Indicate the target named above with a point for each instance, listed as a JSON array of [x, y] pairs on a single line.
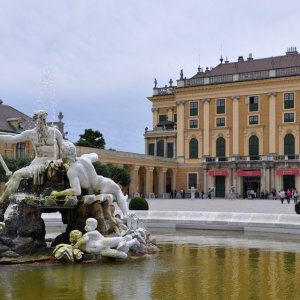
[[58, 180]]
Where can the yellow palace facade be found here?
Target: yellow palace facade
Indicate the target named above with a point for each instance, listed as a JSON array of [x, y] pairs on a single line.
[[232, 128]]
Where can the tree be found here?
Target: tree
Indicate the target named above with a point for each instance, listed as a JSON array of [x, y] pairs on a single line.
[[117, 174], [91, 138]]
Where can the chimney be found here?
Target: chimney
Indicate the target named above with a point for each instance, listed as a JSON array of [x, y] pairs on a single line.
[[250, 57], [291, 51]]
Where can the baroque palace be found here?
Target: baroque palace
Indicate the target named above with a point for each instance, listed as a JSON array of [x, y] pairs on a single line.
[[230, 128]]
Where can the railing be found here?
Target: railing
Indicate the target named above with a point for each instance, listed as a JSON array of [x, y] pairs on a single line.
[[252, 158]]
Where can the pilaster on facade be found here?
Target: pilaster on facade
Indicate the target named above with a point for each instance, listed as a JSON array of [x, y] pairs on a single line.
[[134, 175], [235, 125], [170, 113], [161, 180], [206, 142], [155, 116], [149, 180], [180, 130], [272, 122]]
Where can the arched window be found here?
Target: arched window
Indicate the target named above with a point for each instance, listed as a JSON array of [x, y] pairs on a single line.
[[193, 148], [254, 147], [289, 145], [221, 148], [160, 148]]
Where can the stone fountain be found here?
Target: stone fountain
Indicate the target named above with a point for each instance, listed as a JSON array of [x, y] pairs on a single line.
[[59, 181]]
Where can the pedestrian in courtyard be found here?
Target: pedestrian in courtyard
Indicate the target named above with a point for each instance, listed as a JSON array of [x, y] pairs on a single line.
[[295, 196], [202, 194], [288, 195], [281, 194]]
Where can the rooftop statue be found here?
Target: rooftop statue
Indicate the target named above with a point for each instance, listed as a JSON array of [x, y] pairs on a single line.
[[82, 175], [46, 142]]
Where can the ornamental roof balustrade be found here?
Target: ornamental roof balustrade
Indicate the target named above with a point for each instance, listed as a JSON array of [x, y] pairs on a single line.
[[163, 91], [242, 70]]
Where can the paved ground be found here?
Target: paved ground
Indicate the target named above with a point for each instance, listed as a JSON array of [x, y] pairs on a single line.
[[223, 205], [216, 205]]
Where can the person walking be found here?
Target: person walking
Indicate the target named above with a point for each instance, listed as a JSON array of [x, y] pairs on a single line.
[[295, 196], [281, 194], [288, 195]]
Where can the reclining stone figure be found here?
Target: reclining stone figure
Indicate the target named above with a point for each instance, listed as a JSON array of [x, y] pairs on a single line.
[[82, 175], [94, 242]]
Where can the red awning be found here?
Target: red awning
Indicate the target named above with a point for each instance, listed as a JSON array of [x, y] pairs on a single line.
[[248, 173], [218, 173], [287, 172]]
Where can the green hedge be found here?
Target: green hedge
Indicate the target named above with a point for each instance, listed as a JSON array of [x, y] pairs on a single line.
[[138, 203], [297, 208]]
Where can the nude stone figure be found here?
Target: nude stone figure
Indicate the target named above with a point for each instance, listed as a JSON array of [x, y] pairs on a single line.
[[46, 142], [94, 242], [82, 175]]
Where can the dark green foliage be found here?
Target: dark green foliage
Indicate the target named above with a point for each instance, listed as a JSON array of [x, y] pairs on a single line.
[[117, 174], [120, 175], [101, 169], [138, 203], [297, 208], [13, 165], [91, 138]]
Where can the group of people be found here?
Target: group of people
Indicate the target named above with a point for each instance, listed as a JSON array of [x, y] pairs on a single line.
[[288, 195]]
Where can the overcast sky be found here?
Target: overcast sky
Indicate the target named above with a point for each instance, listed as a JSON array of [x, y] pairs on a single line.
[[95, 61]]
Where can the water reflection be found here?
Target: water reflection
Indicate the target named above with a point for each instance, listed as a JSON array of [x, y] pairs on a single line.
[[185, 269]]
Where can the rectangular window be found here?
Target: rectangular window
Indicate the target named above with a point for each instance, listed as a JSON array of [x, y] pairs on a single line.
[[288, 100], [220, 122], [170, 150], [20, 150], [192, 180], [253, 120], [150, 149], [175, 118], [220, 106], [194, 108], [193, 123], [253, 103], [163, 118], [289, 118]]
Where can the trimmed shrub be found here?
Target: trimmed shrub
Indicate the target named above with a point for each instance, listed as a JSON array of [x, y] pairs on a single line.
[[138, 203], [297, 208]]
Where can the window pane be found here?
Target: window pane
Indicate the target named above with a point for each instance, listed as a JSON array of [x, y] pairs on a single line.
[[288, 117], [193, 108], [150, 149], [20, 150], [192, 180], [160, 148], [289, 145], [193, 123], [220, 122], [220, 147], [288, 100], [163, 118], [254, 147], [253, 120], [220, 106], [170, 150], [253, 103], [193, 148]]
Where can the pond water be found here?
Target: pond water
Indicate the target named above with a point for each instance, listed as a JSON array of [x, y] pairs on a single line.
[[191, 265]]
